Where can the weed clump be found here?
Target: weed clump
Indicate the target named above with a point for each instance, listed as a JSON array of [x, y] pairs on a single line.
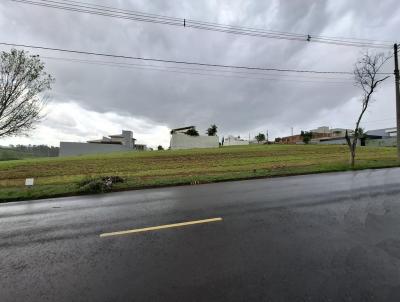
[[98, 184]]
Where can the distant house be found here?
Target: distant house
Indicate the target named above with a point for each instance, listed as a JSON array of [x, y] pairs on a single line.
[[380, 137], [112, 143], [321, 135], [335, 140], [383, 133], [386, 137], [298, 139], [125, 139], [181, 140], [292, 139], [182, 130], [231, 140]]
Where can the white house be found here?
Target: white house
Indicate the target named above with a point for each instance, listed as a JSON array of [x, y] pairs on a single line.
[[112, 143], [231, 140], [386, 137], [181, 140]]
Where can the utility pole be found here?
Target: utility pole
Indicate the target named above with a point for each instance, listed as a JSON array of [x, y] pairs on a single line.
[[396, 80], [292, 130], [267, 136]]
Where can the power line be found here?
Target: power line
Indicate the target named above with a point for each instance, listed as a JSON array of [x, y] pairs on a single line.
[[207, 72], [109, 11], [220, 26], [176, 61], [207, 23], [191, 68]]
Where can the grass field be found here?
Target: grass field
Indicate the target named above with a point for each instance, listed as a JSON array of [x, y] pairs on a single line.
[[8, 154], [59, 176]]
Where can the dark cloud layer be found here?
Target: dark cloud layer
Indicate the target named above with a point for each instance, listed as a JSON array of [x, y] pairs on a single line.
[[237, 105]]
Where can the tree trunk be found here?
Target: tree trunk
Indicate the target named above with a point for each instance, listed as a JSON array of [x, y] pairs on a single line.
[[352, 158], [352, 149]]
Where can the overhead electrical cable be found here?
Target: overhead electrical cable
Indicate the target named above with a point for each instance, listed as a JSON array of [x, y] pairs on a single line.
[[102, 10], [200, 22], [190, 63], [191, 68], [207, 72]]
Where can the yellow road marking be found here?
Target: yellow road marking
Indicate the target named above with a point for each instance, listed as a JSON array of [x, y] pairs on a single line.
[[165, 226]]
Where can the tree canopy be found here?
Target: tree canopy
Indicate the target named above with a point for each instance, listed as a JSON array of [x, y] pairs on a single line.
[[307, 136], [192, 132], [212, 130], [22, 81], [260, 137]]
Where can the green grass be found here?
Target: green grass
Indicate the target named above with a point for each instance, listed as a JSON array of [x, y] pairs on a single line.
[[9, 154], [59, 176]]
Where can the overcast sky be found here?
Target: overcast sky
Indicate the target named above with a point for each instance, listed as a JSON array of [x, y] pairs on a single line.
[[90, 100]]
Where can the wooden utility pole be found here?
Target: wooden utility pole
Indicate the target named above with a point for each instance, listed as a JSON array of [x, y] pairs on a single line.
[[396, 80]]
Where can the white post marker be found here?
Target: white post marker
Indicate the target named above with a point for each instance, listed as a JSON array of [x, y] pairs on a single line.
[[29, 182]]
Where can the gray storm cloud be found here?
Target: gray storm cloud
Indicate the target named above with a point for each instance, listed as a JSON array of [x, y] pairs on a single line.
[[236, 104]]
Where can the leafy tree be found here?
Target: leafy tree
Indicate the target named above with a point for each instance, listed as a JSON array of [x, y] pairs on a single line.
[[192, 132], [22, 80], [361, 132], [367, 77], [306, 135], [212, 131], [160, 147], [260, 137]]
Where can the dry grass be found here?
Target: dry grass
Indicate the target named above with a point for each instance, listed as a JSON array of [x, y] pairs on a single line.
[[58, 176]]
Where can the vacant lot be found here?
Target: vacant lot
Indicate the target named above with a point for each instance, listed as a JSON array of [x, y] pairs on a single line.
[[59, 176]]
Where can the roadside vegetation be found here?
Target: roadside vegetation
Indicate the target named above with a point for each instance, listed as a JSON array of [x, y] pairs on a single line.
[[23, 152], [9, 154], [69, 175]]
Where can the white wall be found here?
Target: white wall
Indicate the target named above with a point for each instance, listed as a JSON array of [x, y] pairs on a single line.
[[72, 148], [183, 141], [341, 141], [233, 142], [384, 142]]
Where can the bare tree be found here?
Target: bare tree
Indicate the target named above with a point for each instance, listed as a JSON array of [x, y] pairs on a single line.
[[367, 76], [22, 80]]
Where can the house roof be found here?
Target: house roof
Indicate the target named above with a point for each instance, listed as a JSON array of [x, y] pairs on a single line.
[[380, 132], [332, 138], [117, 135], [183, 128], [105, 142]]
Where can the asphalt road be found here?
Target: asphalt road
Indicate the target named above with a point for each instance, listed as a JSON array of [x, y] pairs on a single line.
[[326, 237]]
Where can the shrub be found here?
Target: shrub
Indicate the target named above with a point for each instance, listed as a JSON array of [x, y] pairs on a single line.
[[99, 184], [92, 186], [113, 179]]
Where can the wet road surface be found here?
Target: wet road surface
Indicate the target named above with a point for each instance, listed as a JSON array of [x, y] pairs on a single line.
[[326, 237]]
